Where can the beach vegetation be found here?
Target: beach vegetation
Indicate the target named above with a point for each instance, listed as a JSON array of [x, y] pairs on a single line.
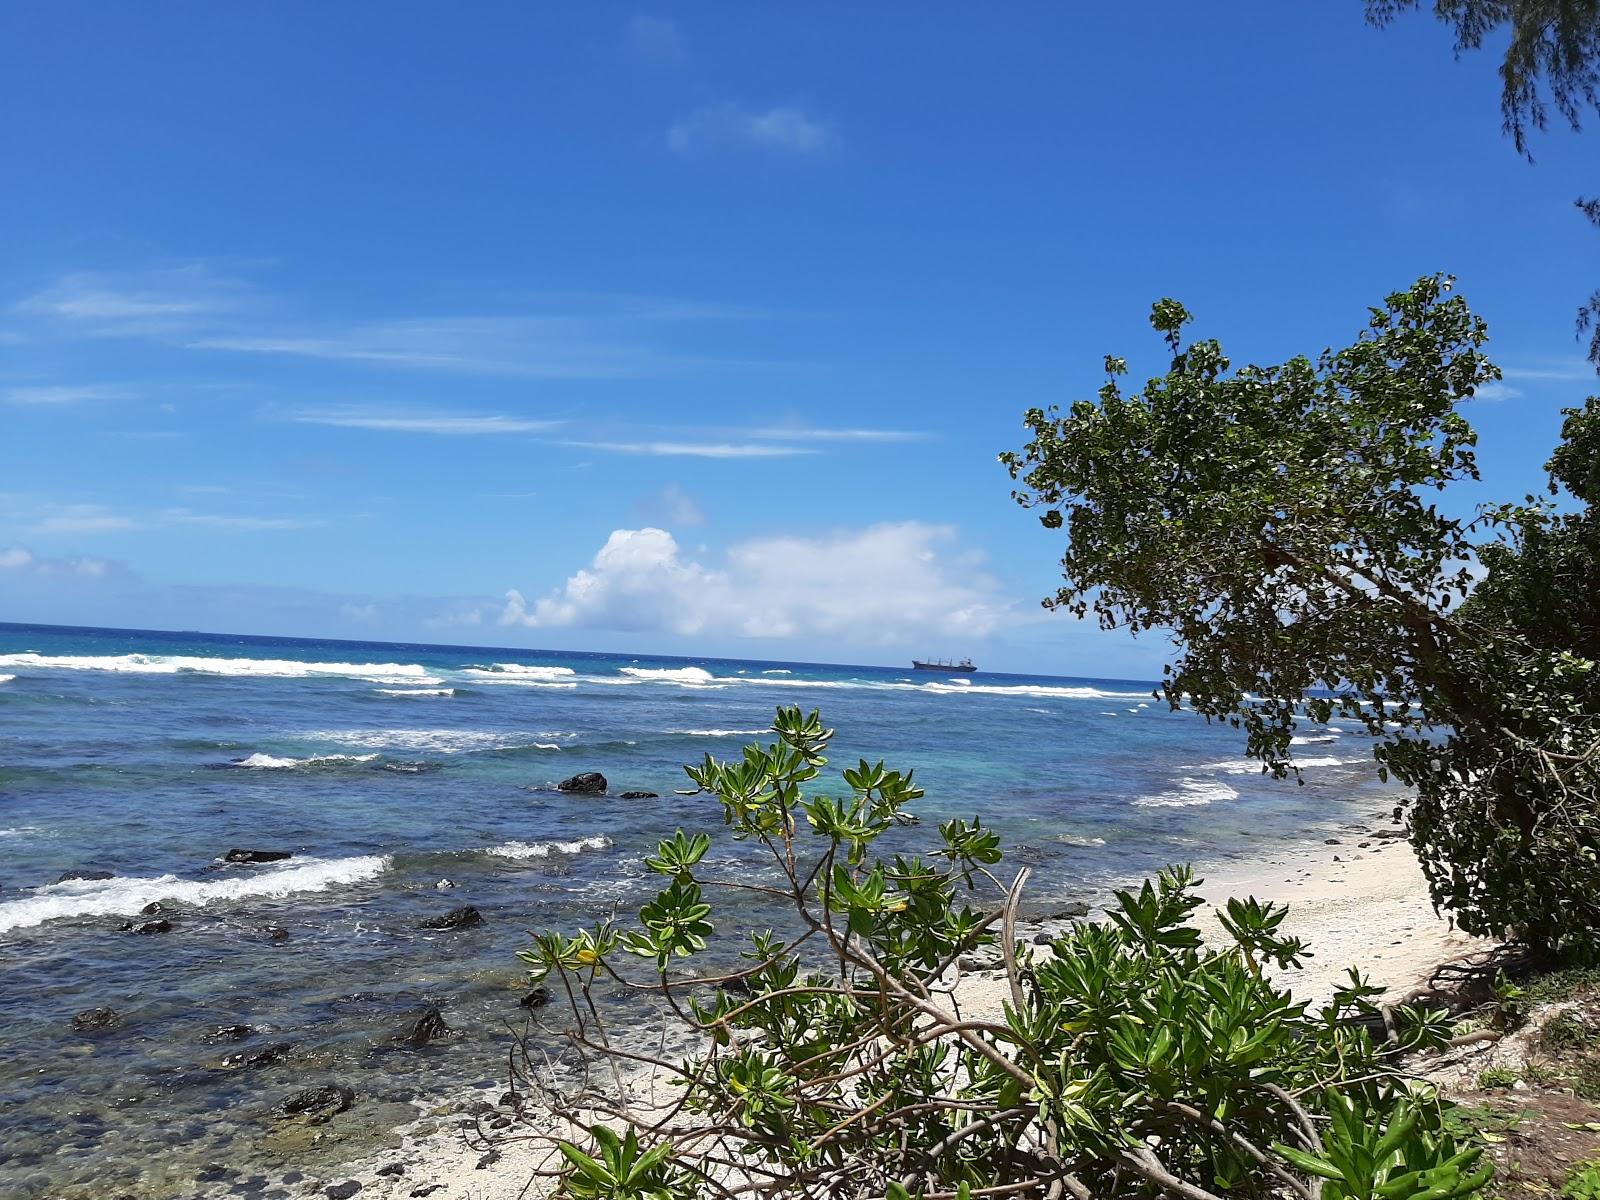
[[1283, 524], [840, 1053]]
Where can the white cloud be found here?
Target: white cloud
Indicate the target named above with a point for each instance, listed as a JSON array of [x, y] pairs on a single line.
[[83, 518], [654, 40], [786, 128], [183, 516], [440, 423], [1496, 391], [66, 394], [1562, 370], [146, 302], [840, 435], [882, 584], [694, 449], [670, 506], [19, 560]]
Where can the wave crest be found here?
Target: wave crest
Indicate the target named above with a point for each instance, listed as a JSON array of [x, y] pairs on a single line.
[[181, 664]]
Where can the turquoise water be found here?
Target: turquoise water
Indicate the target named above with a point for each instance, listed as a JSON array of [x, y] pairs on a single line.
[[385, 769]]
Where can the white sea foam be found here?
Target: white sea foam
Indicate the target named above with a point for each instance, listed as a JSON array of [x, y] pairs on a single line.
[[175, 664], [693, 676], [719, 733], [1031, 690], [437, 741], [1189, 792], [416, 691], [523, 676], [777, 672], [1073, 839], [546, 849], [6, 678], [126, 896], [273, 762], [1313, 739]]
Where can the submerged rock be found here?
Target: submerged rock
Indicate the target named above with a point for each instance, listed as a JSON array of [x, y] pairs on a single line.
[[88, 876], [231, 1033], [585, 783], [256, 856], [639, 796], [318, 1104], [153, 909], [464, 917], [430, 1026], [444, 885], [536, 998], [342, 1191], [159, 926], [97, 1020], [260, 1056]]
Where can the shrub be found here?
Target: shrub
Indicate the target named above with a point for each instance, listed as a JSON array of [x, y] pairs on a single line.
[[1134, 1058]]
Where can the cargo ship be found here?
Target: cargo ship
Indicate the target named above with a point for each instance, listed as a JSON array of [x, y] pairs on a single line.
[[965, 665]]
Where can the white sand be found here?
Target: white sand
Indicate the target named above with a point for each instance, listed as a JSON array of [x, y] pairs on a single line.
[[1361, 902]]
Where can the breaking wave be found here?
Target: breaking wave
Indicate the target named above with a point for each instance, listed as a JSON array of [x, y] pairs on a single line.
[[719, 733], [523, 676], [126, 896], [179, 664], [1189, 793], [273, 762], [437, 741], [521, 850], [417, 691], [6, 678], [692, 676]]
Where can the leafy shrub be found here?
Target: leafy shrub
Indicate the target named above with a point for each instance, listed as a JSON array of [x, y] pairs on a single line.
[[1583, 1183], [1497, 1078], [1132, 1059]]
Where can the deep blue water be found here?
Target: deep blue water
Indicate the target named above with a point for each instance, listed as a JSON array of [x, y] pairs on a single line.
[[386, 768]]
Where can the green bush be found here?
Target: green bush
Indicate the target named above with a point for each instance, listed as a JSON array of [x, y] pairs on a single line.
[[1132, 1059]]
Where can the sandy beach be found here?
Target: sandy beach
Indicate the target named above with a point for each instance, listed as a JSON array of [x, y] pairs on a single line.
[[1358, 898]]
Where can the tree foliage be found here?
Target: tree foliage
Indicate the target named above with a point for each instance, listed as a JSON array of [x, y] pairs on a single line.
[[1552, 56], [1132, 1058], [1282, 522]]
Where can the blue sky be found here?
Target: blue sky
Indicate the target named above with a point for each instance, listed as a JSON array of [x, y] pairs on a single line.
[[696, 328]]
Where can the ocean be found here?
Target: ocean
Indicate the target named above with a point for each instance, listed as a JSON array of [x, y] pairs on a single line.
[[386, 770]]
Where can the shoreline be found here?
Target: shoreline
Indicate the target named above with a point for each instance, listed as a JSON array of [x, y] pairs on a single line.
[[1357, 899]]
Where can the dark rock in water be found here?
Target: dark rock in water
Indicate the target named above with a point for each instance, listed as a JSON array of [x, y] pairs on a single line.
[[153, 909], [464, 917], [428, 1027], [89, 876], [638, 796], [427, 1189], [391, 1169], [341, 1191], [96, 1020], [1388, 833], [159, 926], [1043, 939], [259, 1056], [444, 885], [488, 1160], [318, 1104], [1068, 912], [256, 856], [585, 783], [231, 1033], [212, 1172], [276, 934], [1332, 842], [537, 998]]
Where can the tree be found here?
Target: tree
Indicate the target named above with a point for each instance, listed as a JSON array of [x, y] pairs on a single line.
[[1280, 523], [1552, 50], [834, 1059]]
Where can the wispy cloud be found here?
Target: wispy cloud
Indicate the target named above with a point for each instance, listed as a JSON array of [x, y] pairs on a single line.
[[654, 40], [786, 128], [695, 449], [1561, 370], [840, 435], [670, 506], [83, 518], [1496, 391], [448, 424], [159, 301], [67, 394], [19, 560], [184, 516]]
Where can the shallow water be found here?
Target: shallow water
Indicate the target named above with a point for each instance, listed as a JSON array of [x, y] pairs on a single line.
[[385, 769]]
